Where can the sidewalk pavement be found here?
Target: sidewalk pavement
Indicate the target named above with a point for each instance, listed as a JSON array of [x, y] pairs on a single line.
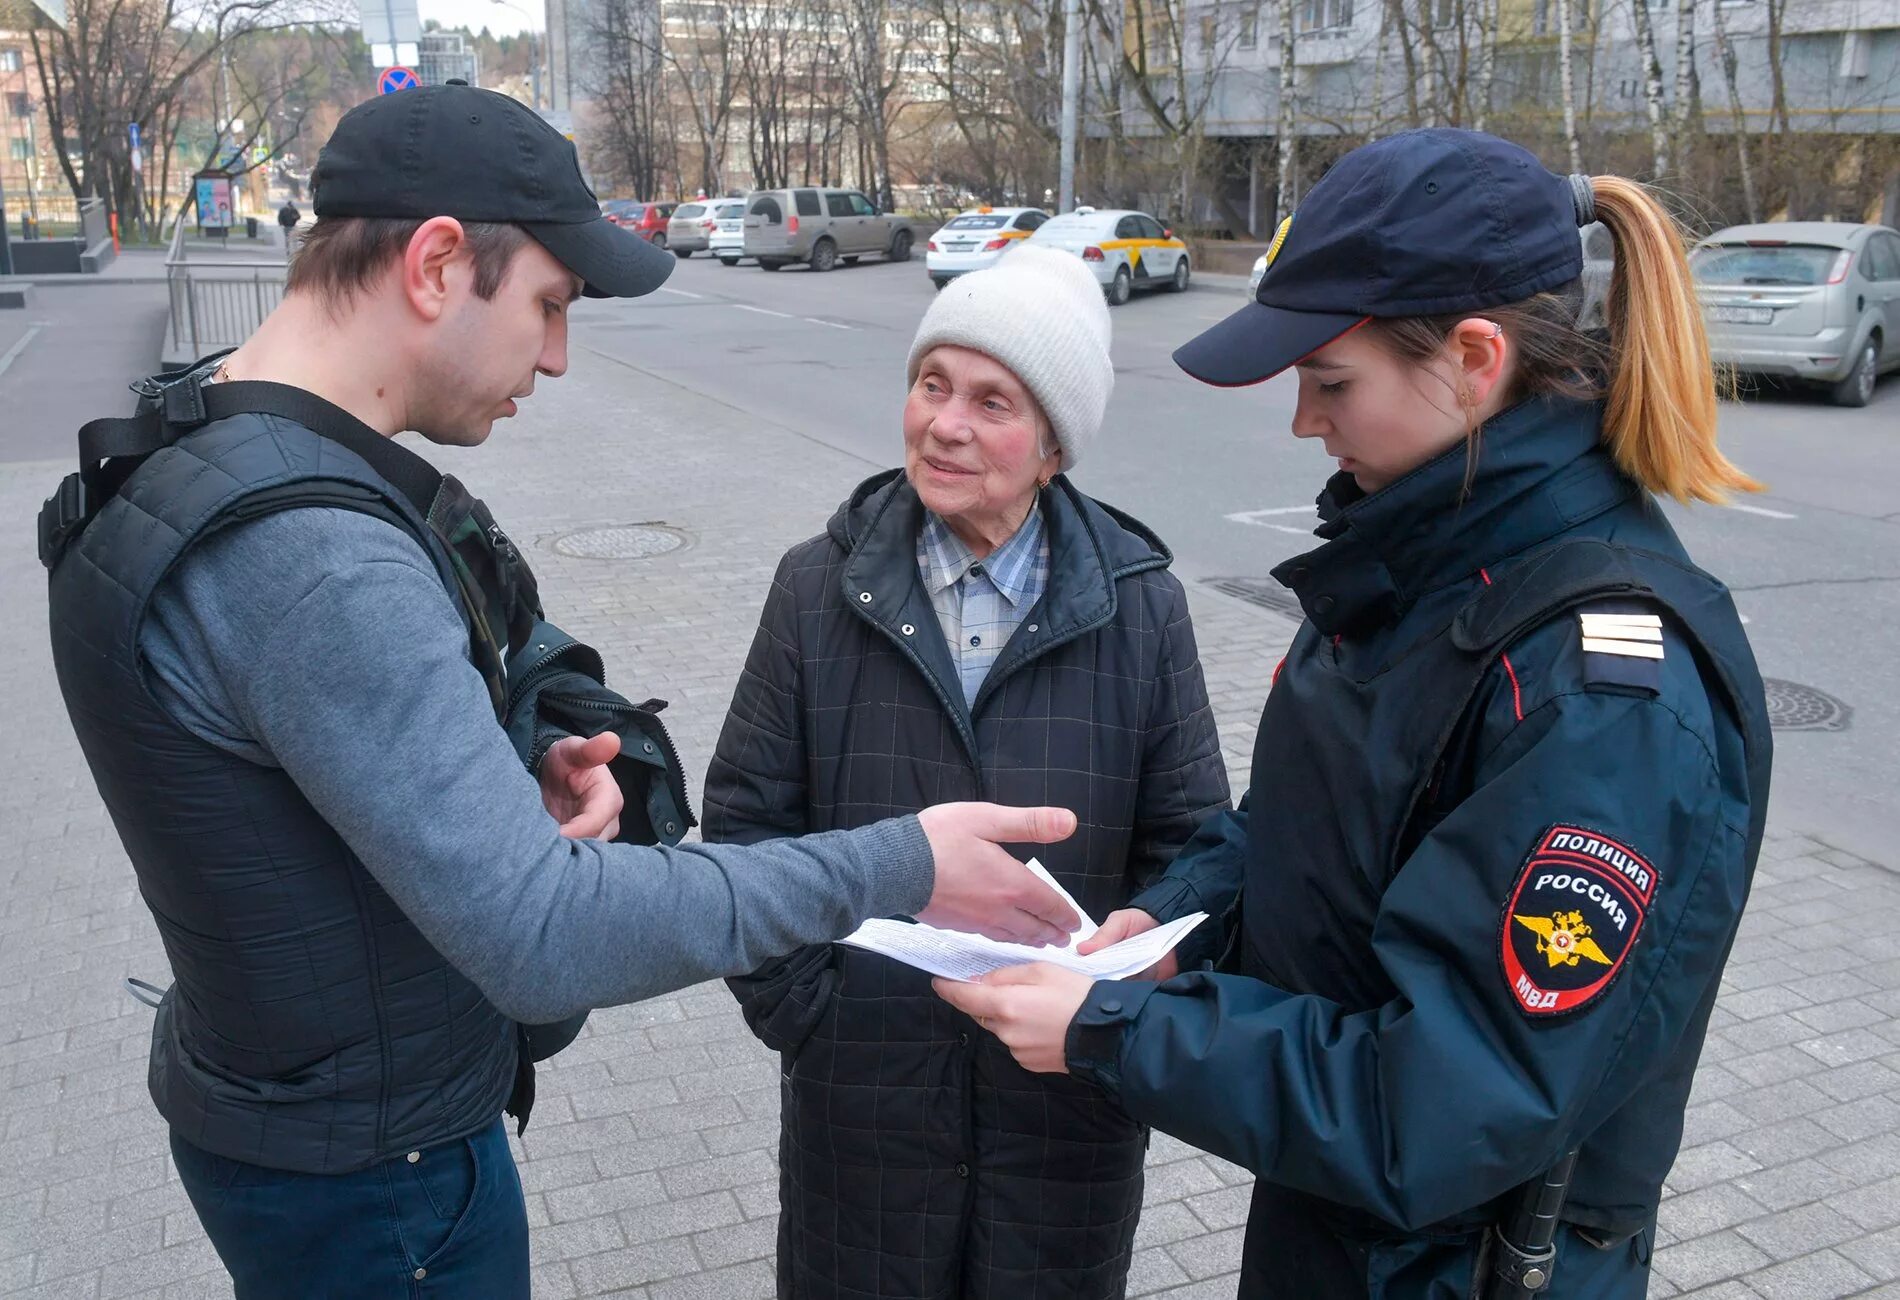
[[650, 1168]]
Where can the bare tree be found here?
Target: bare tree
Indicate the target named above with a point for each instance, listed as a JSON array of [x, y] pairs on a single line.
[[875, 51], [1173, 91], [1487, 60], [1652, 85], [1685, 105], [632, 142], [1283, 190], [116, 62], [698, 50], [1567, 76], [1738, 122]]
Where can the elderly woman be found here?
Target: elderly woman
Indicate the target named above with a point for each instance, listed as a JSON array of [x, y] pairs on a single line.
[[968, 627]]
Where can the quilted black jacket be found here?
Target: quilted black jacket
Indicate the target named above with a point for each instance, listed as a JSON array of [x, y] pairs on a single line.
[[917, 1158]]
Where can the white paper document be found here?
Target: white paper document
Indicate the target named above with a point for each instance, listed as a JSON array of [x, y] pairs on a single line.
[[959, 956]]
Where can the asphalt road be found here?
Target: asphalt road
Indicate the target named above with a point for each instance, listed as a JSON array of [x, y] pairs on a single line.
[[1815, 562]]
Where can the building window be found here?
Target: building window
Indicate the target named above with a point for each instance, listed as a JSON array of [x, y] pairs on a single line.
[[10, 61], [1544, 17], [1328, 15], [18, 105], [1249, 29], [22, 151], [1855, 51]]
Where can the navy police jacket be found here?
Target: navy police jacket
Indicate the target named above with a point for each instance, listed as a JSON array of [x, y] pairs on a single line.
[[1506, 801]]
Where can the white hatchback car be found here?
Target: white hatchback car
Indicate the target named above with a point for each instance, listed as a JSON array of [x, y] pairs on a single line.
[[976, 239], [690, 229], [1126, 250], [726, 240]]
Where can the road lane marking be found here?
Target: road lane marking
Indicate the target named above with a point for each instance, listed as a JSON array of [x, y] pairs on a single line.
[[763, 311], [831, 324], [682, 293], [1763, 511], [12, 353]]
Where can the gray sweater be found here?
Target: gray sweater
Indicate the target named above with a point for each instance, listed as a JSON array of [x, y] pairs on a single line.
[[322, 641]]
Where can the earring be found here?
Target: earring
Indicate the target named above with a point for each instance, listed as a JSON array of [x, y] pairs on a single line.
[[1497, 332]]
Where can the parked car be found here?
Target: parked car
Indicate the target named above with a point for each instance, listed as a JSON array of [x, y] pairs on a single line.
[[647, 220], [1598, 259], [1817, 301], [690, 229], [975, 239], [820, 227], [1126, 250], [727, 240]]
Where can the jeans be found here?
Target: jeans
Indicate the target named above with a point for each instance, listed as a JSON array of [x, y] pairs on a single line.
[[444, 1222]]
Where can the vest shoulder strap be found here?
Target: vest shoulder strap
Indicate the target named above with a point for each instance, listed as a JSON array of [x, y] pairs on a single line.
[[109, 449], [1543, 586]]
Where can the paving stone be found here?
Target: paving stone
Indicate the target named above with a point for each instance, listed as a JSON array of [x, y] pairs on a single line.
[[1792, 1233], [604, 1196], [616, 1270], [757, 1239], [1214, 1255], [1873, 1208], [1789, 1185], [1823, 1275], [1712, 1162], [1152, 1270], [1169, 1221], [1711, 1258]]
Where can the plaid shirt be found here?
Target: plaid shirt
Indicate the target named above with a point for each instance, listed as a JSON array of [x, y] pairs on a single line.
[[979, 603]]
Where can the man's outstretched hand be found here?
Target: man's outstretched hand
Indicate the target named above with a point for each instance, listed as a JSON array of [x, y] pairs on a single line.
[[982, 889], [577, 789]]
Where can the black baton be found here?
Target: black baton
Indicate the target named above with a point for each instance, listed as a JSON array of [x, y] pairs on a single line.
[[1526, 1253]]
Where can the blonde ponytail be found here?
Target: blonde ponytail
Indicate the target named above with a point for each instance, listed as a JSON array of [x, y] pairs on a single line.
[[1659, 423]]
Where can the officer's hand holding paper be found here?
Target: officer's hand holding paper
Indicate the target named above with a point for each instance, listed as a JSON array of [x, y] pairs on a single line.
[[959, 956]]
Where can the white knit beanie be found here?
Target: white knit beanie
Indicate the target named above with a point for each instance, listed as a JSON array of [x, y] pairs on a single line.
[[1040, 312]]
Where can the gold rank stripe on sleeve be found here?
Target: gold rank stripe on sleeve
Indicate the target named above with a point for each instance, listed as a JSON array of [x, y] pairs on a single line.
[[1638, 636]]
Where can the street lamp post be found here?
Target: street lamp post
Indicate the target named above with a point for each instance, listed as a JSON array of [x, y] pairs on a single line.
[[534, 52]]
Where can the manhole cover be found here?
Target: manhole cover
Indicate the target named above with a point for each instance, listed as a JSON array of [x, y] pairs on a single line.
[[622, 542], [1264, 592], [1794, 707]]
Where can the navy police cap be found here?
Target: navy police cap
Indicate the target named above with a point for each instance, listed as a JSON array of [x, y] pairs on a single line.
[[1416, 224]]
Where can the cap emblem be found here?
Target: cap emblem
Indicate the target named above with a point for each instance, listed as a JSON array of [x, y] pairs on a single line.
[[1279, 238]]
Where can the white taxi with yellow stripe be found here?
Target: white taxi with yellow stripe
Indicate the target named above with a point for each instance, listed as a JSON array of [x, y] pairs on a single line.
[[975, 239], [1126, 250]]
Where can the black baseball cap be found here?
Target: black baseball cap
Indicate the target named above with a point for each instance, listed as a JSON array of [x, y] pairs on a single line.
[[475, 155], [1415, 224]]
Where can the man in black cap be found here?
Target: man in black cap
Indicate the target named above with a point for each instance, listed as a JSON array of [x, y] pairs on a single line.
[[289, 648]]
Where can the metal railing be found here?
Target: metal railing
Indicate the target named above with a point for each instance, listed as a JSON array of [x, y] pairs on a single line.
[[217, 301]]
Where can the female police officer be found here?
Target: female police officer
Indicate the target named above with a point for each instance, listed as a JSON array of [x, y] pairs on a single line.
[[1509, 786]]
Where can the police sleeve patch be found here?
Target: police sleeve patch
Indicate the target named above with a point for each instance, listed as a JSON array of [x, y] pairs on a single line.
[[1573, 919]]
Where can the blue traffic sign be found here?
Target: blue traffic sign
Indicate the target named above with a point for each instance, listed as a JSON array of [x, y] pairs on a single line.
[[395, 79]]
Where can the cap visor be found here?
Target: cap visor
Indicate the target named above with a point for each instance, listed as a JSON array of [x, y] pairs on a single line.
[[1258, 342], [614, 263]]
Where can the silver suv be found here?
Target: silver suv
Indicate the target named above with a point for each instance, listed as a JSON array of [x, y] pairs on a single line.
[[1817, 301], [821, 227]]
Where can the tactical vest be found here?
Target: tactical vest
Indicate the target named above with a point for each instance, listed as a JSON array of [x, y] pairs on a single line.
[[1415, 706], [310, 1027]]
